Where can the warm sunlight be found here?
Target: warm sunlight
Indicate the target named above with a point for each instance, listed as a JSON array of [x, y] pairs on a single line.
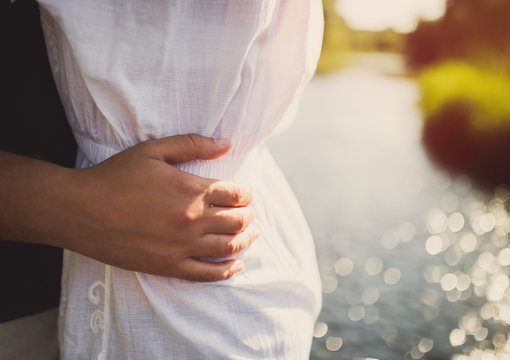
[[401, 15]]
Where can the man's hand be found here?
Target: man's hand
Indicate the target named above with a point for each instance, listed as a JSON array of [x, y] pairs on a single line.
[[134, 210]]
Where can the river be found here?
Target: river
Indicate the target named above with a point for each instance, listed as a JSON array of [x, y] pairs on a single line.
[[414, 261]]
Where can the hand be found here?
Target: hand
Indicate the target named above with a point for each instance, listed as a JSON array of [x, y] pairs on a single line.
[[144, 214], [137, 211]]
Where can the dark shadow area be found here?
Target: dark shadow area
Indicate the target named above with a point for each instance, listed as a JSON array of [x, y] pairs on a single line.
[[32, 123], [471, 29], [453, 144]]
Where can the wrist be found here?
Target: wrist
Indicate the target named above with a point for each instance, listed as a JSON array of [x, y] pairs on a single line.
[[31, 195]]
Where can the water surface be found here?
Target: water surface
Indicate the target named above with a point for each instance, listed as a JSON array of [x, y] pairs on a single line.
[[414, 262]]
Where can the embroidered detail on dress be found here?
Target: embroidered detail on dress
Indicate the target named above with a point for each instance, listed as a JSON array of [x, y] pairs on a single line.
[[94, 295], [97, 321], [97, 317]]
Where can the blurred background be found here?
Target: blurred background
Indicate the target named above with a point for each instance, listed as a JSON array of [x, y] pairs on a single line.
[[400, 158]]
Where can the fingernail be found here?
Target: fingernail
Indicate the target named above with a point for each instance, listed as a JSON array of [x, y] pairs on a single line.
[[223, 142]]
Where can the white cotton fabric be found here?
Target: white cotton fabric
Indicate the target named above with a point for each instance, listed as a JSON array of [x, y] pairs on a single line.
[[128, 71]]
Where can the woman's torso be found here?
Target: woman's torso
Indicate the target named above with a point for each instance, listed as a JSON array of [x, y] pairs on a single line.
[[130, 71]]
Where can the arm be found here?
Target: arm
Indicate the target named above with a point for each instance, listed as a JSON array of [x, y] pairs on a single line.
[[134, 210]]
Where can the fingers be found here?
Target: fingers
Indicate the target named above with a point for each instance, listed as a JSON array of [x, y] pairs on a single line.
[[182, 148], [196, 270], [225, 245], [221, 220], [224, 193]]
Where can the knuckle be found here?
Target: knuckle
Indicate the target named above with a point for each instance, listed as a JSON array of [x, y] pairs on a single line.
[[237, 195], [227, 274], [231, 248], [194, 139], [148, 146], [188, 186], [239, 222], [240, 194], [187, 217]]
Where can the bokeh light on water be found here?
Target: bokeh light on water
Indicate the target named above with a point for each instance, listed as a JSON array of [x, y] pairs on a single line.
[[461, 305], [414, 262]]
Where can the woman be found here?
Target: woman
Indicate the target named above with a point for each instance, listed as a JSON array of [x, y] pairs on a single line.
[[131, 71]]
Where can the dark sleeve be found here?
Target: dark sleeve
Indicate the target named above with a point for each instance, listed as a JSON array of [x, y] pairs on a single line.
[[32, 123]]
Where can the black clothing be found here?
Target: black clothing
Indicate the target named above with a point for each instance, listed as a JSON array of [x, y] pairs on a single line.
[[32, 123]]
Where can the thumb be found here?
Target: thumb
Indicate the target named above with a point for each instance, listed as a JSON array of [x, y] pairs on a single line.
[[181, 148]]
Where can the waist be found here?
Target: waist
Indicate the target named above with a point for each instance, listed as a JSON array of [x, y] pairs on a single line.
[[231, 166]]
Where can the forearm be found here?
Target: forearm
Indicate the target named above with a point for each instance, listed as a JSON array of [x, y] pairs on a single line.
[[34, 200], [134, 210]]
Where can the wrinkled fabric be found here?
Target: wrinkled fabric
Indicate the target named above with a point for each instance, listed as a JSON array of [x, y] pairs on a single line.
[[129, 71]]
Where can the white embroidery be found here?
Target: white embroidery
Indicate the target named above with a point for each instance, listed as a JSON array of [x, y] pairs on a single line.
[[97, 317], [94, 294], [97, 321], [104, 325]]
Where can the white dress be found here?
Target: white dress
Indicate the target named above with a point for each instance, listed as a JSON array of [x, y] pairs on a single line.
[[128, 71]]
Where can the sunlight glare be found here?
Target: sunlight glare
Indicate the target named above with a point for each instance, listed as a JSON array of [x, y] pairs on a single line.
[[377, 15]]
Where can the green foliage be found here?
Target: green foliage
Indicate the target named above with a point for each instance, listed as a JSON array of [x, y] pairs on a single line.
[[485, 94], [339, 40], [334, 41], [467, 127]]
